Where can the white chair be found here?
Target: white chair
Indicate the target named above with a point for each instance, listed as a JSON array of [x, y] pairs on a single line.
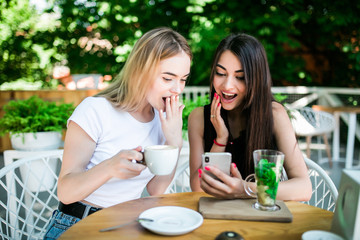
[[324, 191], [28, 195], [181, 180], [309, 123]]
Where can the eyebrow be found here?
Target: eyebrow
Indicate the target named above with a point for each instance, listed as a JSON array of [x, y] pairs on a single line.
[[237, 71], [173, 74]]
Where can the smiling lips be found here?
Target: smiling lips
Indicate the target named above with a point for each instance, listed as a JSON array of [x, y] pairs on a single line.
[[228, 97]]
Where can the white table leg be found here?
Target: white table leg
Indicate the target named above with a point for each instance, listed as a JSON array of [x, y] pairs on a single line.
[[336, 137], [350, 141]]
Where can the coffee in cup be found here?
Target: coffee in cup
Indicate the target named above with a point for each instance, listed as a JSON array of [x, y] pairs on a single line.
[[161, 159]]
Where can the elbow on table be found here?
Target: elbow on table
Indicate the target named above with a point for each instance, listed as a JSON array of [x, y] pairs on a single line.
[[306, 193], [195, 186]]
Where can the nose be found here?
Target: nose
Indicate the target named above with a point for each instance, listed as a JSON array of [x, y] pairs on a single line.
[[228, 82], [176, 88]]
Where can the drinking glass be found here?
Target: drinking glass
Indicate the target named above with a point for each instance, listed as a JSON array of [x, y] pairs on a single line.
[[268, 168]]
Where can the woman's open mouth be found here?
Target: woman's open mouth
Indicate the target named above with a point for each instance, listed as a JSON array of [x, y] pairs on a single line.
[[164, 102], [227, 97]]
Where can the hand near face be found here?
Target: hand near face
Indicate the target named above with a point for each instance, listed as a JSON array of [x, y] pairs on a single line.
[[230, 187], [172, 122], [122, 166], [217, 121]]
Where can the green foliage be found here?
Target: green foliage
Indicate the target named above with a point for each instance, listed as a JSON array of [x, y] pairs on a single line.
[[34, 115], [27, 46], [307, 42], [190, 105], [280, 97]]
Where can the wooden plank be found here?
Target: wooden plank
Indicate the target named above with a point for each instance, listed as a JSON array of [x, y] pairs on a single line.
[[241, 209]]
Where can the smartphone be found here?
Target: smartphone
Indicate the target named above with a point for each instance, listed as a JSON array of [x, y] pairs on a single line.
[[221, 160]]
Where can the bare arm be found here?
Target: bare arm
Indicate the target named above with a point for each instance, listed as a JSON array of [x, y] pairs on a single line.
[[75, 183], [196, 141], [298, 187]]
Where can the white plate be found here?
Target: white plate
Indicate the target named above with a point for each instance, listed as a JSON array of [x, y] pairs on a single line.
[[171, 220], [319, 234]]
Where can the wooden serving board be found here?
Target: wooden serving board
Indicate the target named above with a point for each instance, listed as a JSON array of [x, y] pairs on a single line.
[[241, 209]]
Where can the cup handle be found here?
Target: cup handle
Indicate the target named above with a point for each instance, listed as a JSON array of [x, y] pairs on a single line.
[[247, 187]]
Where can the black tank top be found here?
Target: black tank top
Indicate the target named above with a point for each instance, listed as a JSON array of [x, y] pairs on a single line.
[[237, 148]]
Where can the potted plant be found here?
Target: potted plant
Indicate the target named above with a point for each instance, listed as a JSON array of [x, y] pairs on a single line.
[[35, 124]]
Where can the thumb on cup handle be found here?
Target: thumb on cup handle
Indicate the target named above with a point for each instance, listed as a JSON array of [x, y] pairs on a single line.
[[249, 191]]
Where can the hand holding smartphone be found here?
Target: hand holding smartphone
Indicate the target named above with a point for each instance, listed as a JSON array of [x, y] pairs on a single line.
[[221, 160]]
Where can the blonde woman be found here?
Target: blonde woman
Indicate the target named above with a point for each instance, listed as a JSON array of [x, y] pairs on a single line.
[[106, 132]]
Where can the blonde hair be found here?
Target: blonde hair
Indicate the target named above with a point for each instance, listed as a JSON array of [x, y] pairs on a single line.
[[138, 74]]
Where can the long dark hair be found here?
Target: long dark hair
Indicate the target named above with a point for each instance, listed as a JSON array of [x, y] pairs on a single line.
[[257, 105]]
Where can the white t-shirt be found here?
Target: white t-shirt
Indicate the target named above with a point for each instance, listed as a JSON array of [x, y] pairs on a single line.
[[114, 130]]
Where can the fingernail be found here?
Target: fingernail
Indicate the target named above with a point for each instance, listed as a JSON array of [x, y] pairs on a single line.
[[207, 168], [234, 165], [219, 104], [215, 95], [199, 175], [200, 171]]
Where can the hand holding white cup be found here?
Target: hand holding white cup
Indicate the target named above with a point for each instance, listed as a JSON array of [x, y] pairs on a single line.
[[161, 159]]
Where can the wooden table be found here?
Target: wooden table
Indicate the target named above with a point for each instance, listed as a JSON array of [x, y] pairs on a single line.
[[305, 218], [352, 111]]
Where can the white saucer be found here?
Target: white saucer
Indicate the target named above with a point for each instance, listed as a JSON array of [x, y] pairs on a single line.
[[171, 220], [319, 234]]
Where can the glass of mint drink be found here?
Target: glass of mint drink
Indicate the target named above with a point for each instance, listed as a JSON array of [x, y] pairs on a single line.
[[268, 168]]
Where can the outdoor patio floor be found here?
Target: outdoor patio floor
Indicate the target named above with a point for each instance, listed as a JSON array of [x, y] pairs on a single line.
[[338, 165]]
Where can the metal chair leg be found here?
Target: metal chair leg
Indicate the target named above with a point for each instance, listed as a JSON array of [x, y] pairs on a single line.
[[308, 142], [327, 149]]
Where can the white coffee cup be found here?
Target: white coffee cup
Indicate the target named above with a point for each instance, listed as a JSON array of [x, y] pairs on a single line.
[[161, 159]]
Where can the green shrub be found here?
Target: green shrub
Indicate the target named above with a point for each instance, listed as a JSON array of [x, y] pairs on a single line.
[[189, 106], [34, 115]]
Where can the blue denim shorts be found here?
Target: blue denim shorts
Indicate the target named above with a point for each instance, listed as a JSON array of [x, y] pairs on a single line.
[[59, 223]]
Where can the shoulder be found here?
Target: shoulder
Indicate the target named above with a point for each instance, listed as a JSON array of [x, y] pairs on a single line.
[[281, 117], [95, 100], [197, 113], [196, 119], [196, 122], [94, 107], [278, 110], [100, 103]]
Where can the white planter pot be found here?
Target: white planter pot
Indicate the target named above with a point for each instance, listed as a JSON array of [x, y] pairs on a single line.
[[36, 141], [41, 177]]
